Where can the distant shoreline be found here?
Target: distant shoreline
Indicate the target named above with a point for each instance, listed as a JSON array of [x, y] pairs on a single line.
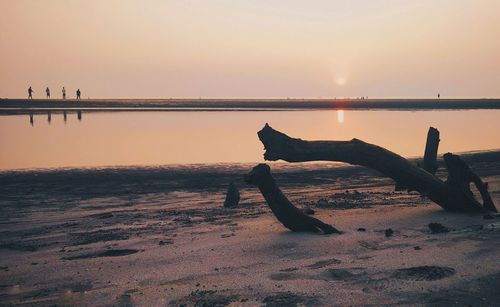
[[475, 156], [24, 106]]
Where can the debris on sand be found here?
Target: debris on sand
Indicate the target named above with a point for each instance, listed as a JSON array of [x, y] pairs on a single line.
[[232, 196], [166, 242], [389, 232], [361, 229], [438, 228], [322, 202]]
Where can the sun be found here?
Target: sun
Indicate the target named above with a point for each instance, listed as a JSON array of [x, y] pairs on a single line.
[[340, 81]]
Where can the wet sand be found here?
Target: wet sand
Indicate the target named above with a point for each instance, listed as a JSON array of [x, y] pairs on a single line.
[[23, 106], [160, 236]]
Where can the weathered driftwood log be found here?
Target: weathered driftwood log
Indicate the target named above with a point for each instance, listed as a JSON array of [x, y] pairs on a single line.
[[430, 155], [431, 150], [403, 172], [460, 176], [291, 217]]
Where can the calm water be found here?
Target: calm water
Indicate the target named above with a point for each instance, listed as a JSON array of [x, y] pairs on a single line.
[[157, 138]]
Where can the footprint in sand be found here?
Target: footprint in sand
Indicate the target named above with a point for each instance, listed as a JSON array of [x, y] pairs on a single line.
[[329, 274], [420, 273], [338, 274], [108, 253], [323, 263], [282, 276], [289, 299]]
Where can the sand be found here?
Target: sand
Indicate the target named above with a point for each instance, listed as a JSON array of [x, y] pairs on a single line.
[[24, 106], [160, 236]]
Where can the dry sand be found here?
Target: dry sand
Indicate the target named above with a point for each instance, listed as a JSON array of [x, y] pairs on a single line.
[[159, 236]]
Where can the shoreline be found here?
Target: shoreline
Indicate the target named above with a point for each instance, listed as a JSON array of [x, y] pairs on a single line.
[[24, 106], [487, 155]]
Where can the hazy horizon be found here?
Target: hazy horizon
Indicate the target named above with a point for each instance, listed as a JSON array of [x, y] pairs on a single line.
[[250, 49]]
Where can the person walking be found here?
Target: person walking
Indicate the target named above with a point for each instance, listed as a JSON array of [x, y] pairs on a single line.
[[64, 93], [30, 93], [47, 91], [78, 93]]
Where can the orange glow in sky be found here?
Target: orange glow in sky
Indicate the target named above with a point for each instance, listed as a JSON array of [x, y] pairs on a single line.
[[227, 48]]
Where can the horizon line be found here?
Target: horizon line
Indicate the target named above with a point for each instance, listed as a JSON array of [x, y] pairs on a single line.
[[257, 98]]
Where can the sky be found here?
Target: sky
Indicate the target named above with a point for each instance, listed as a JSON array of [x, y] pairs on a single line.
[[251, 49]]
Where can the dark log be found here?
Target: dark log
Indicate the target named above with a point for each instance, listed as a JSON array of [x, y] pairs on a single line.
[[403, 172], [460, 175], [431, 149], [290, 216]]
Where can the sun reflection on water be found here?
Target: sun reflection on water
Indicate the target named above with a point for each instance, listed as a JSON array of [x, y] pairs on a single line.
[[340, 116]]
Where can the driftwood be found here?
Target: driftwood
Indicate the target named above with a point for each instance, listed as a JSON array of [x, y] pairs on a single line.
[[452, 195], [461, 176], [290, 216], [431, 149]]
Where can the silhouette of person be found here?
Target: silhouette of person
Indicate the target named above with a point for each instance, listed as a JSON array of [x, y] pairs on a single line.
[[30, 93], [64, 93], [78, 93], [47, 90], [439, 95]]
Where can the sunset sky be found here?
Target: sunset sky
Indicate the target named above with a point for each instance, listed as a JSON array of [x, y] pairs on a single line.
[[228, 48]]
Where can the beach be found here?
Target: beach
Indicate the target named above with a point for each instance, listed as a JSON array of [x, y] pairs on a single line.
[[249, 153], [160, 236]]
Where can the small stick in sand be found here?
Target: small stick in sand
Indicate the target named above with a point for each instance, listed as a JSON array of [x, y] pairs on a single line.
[[232, 196]]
